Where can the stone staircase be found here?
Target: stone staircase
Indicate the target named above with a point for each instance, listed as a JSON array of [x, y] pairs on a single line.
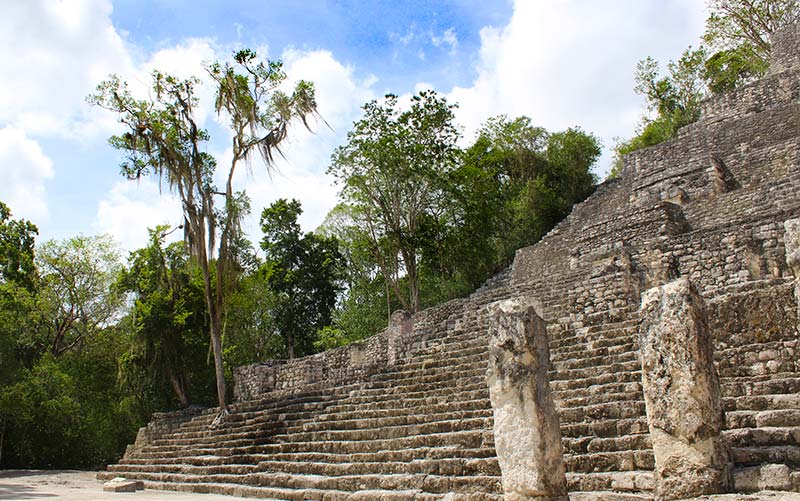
[[420, 429]]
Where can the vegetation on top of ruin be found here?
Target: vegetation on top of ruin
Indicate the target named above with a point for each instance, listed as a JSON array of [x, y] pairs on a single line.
[[734, 50]]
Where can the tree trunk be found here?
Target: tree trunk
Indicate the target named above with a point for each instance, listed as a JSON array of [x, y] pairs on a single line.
[[214, 310], [410, 259], [216, 344], [179, 388], [290, 346], [2, 436], [388, 302]]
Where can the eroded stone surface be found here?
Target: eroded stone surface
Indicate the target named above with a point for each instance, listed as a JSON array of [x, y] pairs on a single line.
[[792, 242], [121, 484], [526, 426], [682, 393]]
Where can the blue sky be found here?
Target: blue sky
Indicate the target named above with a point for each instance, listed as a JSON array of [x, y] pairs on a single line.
[[564, 63]]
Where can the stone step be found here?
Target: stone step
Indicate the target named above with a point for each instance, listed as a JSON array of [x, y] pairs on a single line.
[[610, 461], [769, 368], [606, 444], [444, 466], [282, 494], [762, 402], [780, 454], [453, 371], [598, 389], [591, 339], [454, 408], [598, 398], [405, 455], [603, 411], [269, 426], [350, 440], [773, 477], [764, 436], [613, 347], [417, 401], [597, 361], [619, 481], [475, 374], [388, 432], [469, 399], [633, 366], [472, 439], [606, 428], [470, 347], [787, 382], [599, 379], [435, 484], [759, 419]]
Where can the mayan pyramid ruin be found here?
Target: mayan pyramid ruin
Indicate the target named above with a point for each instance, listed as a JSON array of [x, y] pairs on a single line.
[[665, 308]]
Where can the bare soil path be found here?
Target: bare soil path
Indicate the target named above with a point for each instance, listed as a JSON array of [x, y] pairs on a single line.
[[80, 486]]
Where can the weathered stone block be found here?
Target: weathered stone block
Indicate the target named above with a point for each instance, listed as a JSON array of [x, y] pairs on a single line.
[[763, 477], [400, 325], [121, 484], [526, 425], [682, 393], [792, 242]]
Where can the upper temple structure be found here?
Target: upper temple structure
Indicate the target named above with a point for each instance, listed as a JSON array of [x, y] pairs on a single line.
[[646, 348]]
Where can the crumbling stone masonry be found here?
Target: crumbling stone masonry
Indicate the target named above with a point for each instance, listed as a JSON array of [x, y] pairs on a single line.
[[407, 414]]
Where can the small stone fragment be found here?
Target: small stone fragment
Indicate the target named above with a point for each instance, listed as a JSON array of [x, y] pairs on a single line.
[[121, 484]]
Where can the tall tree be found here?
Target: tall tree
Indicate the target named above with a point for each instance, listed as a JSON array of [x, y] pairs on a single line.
[[77, 292], [390, 171], [366, 303], [302, 275], [164, 139], [168, 311], [511, 187], [17, 287]]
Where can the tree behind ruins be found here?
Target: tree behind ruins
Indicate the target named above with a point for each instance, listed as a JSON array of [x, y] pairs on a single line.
[[163, 139]]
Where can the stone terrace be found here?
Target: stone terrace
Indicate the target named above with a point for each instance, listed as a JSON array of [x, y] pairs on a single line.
[[406, 414]]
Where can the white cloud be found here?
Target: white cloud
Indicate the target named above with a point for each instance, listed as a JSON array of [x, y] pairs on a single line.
[[24, 168], [571, 62], [130, 208], [404, 40], [447, 39], [54, 54]]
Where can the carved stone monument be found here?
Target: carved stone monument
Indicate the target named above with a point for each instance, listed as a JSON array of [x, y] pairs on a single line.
[[526, 427], [682, 393]]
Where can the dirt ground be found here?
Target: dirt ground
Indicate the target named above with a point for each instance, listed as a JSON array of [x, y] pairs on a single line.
[[80, 486], [83, 486]]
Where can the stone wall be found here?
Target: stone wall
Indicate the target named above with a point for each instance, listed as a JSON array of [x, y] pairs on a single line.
[[348, 364]]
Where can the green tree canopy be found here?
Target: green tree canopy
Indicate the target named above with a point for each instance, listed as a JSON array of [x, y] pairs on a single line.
[[302, 276], [169, 315], [164, 139], [77, 290], [390, 171]]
